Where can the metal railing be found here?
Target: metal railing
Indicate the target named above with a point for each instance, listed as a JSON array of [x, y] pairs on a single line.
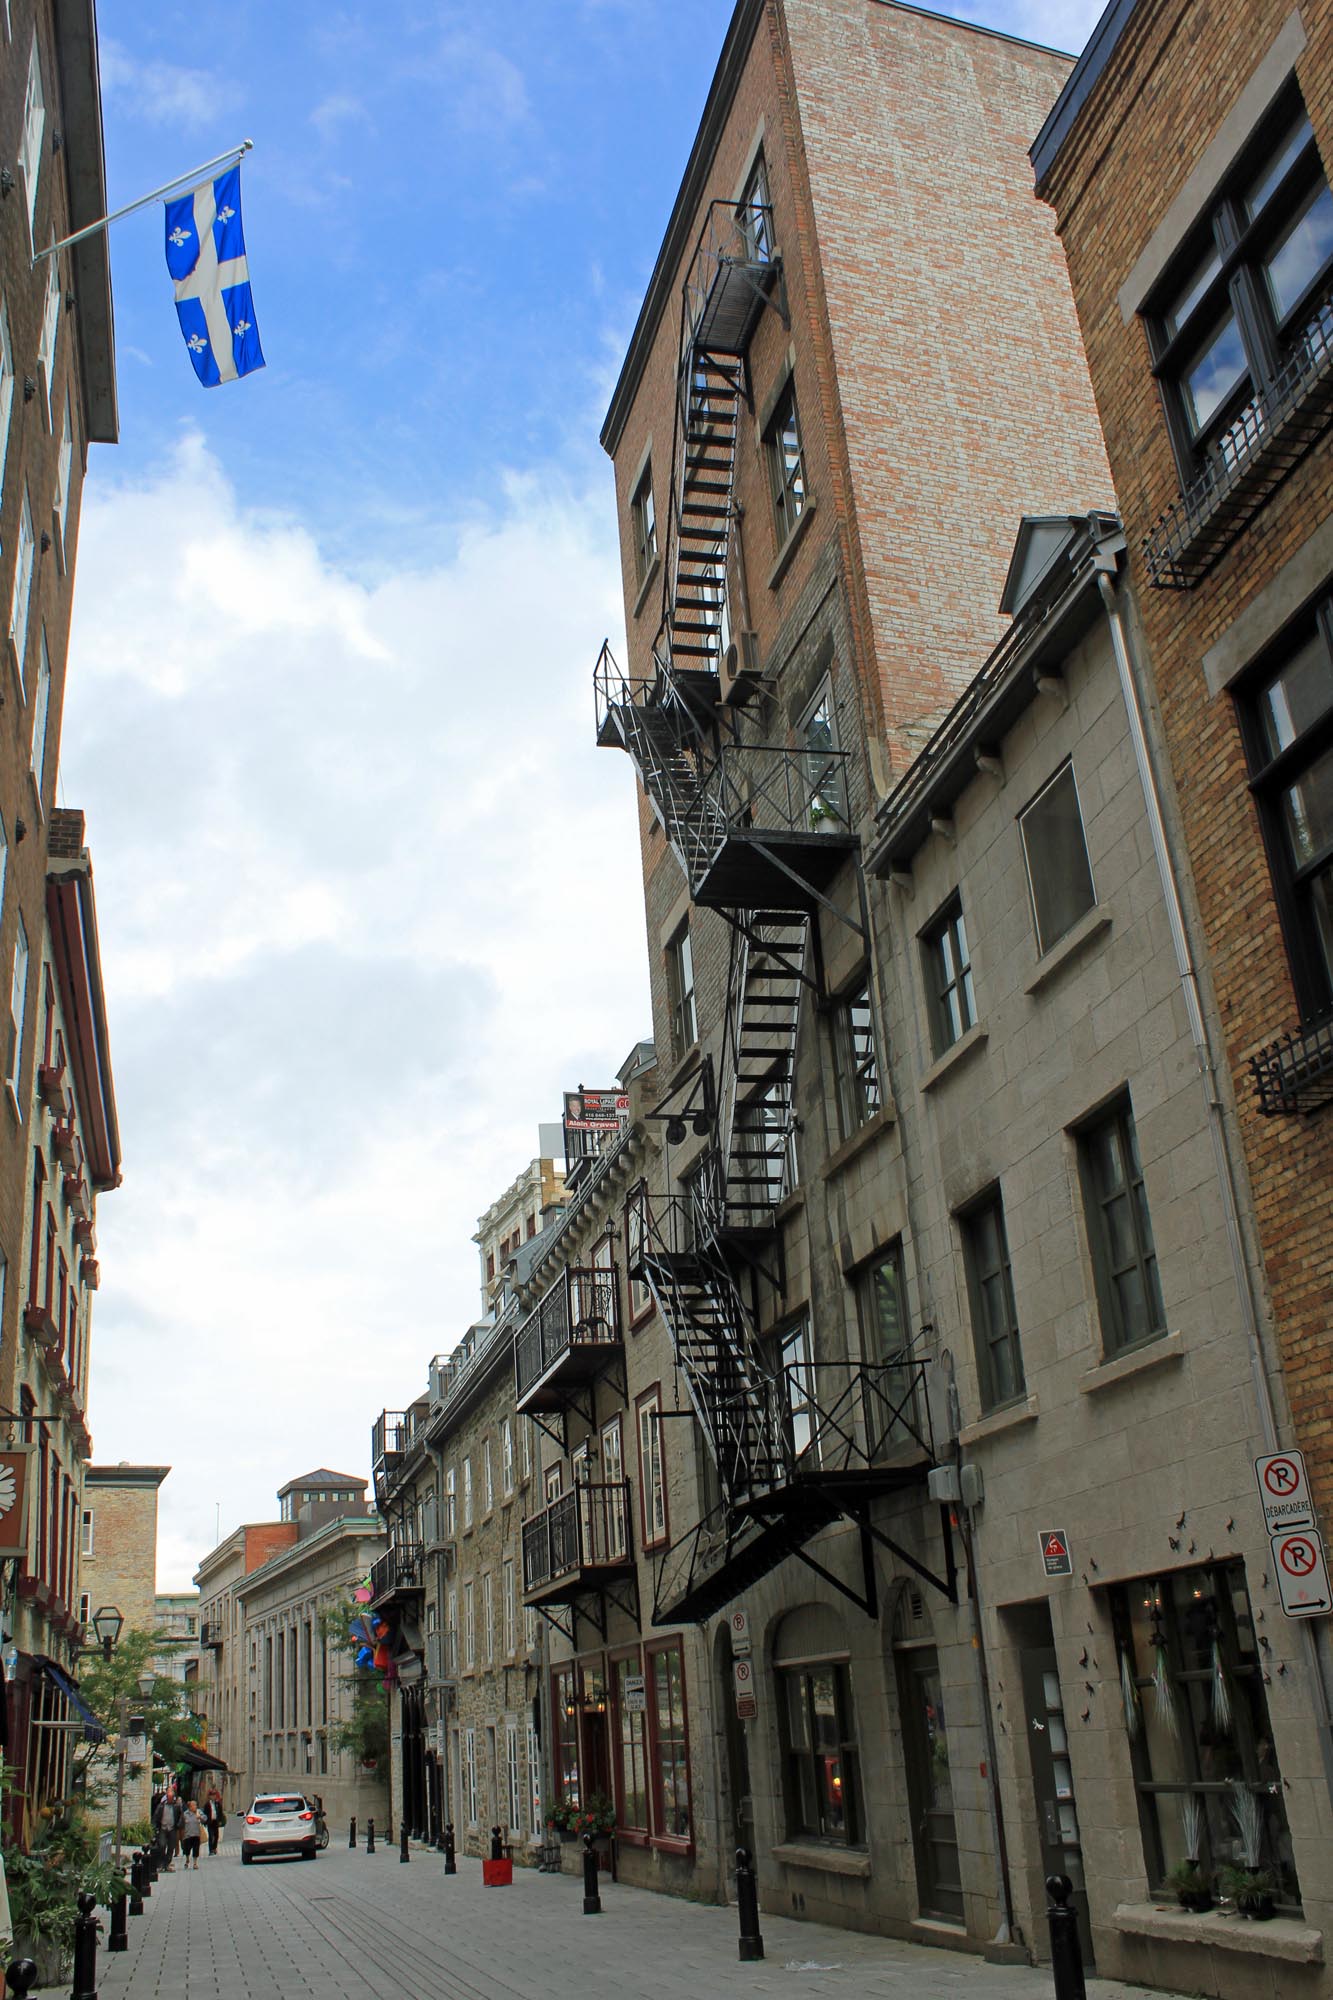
[[736, 245], [1295, 1073], [1254, 455], [399, 1568], [586, 1529], [852, 1416], [388, 1439], [581, 1310]]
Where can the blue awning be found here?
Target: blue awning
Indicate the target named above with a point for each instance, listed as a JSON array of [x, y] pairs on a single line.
[[93, 1731]]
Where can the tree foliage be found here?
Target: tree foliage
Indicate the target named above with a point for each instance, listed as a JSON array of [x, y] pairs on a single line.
[[167, 1719], [365, 1732]]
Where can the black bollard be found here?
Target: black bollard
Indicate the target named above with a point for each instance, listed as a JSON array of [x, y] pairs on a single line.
[[86, 1927], [145, 1873], [747, 1907], [403, 1854], [119, 1940], [1066, 1951], [136, 1886], [497, 1851], [450, 1852], [20, 1976], [351, 1838], [592, 1902], [439, 1837], [154, 1867], [370, 1836]]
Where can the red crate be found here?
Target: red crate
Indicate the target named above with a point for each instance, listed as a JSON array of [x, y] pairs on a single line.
[[497, 1874]]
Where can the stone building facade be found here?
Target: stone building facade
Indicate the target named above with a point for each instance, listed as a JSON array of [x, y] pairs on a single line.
[[118, 1564], [512, 1220], [223, 1679]]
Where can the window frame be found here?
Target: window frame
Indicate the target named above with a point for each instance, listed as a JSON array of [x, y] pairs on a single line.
[[788, 472], [32, 132], [756, 227], [621, 1662], [799, 1763], [857, 1085], [1236, 292], [985, 1338], [1118, 1116], [942, 936], [681, 991], [1272, 775], [638, 1294], [1047, 943], [654, 1651], [652, 1482], [643, 525]]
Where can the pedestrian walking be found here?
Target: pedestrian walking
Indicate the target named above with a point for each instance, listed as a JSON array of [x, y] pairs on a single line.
[[168, 1824], [192, 1827], [214, 1820]]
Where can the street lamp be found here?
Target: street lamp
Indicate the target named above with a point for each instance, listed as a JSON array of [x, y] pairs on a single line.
[[107, 1624]]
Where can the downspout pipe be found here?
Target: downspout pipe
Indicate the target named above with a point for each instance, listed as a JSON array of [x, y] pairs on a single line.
[[1222, 1152]]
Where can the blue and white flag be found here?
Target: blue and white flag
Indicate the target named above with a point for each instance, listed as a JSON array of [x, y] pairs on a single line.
[[206, 257]]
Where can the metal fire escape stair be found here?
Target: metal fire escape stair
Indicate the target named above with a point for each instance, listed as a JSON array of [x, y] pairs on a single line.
[[757, 1110], [694, 612]]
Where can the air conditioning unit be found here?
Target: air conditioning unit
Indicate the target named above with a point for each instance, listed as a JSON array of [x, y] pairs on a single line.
[[741, 677]]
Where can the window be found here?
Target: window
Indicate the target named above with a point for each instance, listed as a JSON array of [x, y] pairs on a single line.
[[85, 1608], [515, 1787], [34, 125], [469, 1629], [631, 1738], [1288, 725], [18, 994], [565, 1749], [1200, 1735], [1056, 853], [467, 1494], [86, 1541], [488, 1616], [680, 991], [652, 1488], [886, 1349], [525, 1426], [507, 1457], [640, 1297], [991, 1295], [816, 1723], [18, 609], [1120, 1230], [450, 1503], [510, 1608], [64, 468], [825, 793], [754, 214], [670, 1767], [46, 351], [948, 970], [40, 710], [855, 1063], [470, 1775], [451, 1632], [1247, 297], [644, 521], [797, 1384], [487, 1478], [786, 464], [6, 384], [613, 1474], [536, 1817]]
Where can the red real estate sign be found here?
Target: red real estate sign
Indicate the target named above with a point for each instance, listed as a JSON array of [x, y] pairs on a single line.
[[1055, 1552]]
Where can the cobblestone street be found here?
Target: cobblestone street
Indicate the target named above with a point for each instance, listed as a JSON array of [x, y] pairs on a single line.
[[352, 1925]]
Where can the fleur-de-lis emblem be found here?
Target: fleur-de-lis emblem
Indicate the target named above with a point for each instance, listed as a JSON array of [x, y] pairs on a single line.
[[179, 236], [242, 326], [196, 343], [226, 214]]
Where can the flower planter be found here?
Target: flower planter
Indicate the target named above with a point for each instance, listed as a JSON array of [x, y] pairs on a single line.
[[497, 1874], [1196, 1901]]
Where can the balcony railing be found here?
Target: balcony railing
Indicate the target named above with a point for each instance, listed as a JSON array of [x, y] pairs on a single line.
[[570, 1335], [1295, 1073], [388, 1439], [579, 1540], [399, 1568], [733, 270], [1270, 436], [211, 1634]]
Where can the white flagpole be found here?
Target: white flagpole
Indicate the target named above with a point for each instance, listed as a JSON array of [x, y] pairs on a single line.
[[191, 179]]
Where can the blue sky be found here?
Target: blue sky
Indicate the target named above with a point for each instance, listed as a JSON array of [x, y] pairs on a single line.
[[328, 710]]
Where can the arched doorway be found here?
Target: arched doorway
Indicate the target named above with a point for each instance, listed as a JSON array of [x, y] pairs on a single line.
[[925, 1730]]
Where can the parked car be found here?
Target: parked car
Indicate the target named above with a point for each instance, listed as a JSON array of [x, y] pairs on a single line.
[[279, 1823]]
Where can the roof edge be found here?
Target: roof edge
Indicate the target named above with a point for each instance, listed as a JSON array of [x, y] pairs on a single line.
[[1083, 80]]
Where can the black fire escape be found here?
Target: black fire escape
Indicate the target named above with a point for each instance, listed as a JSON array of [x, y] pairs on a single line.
[[761, 830]]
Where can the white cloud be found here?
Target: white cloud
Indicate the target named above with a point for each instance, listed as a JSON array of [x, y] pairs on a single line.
[[368, 897], [163, 93], [484, 89]]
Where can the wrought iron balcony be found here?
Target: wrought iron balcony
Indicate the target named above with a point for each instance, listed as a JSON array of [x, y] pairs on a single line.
[[1295, 1073], [399, 1570], [573, 1334], [1269, 437], [211, 1634], [388, 1442], [734, 269], [578, 1543]]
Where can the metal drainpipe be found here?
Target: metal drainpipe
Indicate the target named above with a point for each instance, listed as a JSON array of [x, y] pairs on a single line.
[[1226, 1179]]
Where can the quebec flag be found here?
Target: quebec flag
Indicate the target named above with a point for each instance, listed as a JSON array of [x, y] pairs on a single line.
[[206, 258]]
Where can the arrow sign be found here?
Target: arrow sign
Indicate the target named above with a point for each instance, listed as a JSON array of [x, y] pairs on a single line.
[[1302, 1574]]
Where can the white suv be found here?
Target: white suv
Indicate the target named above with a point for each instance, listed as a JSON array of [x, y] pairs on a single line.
[[279, 1823]]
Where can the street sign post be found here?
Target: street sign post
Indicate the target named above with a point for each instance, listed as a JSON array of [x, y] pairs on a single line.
[[747, 1705], [1302, 1574], [1055, 1552], [740, 1631], [1284, 1491]]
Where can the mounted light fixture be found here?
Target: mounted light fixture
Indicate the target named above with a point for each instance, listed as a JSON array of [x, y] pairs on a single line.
[[108, 1624], [587, 1701], [675, 1131]]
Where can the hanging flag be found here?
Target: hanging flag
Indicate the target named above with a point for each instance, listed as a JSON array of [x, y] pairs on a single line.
[[206, 258]]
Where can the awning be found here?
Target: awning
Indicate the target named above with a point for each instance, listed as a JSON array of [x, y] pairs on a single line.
[[195, 1759], [93, 1732]]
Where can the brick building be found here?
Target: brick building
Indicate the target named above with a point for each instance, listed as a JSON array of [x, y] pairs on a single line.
[[118, 1563]]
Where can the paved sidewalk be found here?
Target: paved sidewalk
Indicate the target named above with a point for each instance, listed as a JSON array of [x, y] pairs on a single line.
[[350, 1925]]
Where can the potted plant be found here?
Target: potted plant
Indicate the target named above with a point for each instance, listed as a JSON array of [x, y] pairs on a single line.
[[597, 1817], [1251, 1886], [43, 1885], [1192, 1887], [560, 1819], [1251, 1890]]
